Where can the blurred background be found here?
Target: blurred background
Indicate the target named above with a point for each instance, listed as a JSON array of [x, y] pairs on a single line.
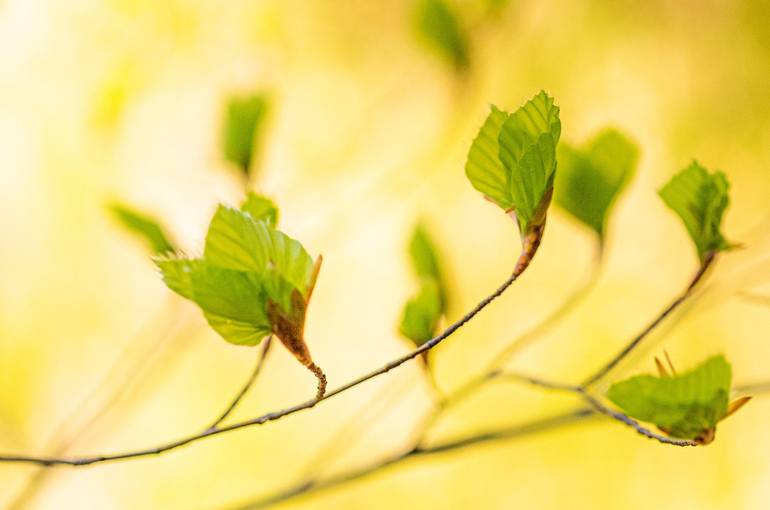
[[370, 116]]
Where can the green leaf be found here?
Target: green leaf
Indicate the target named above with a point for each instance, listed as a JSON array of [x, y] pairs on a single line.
[[685, 405], [700, 199], [261, 208], [244, 119], [422, 313], [236, 241], [177, 274], [248, 268], [590, 179], [512, 161], [483, 167], [528, 140], [144, 227], [425, 259], [439, 27]]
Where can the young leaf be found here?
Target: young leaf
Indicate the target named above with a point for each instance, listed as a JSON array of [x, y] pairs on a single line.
[[422, 313], [244, 119], [260, 208], [483, 167], [425, 260], [253, 280], [438, 26], [590, 179], [686, 406], [143, 226], [512, 161], [700, 199]]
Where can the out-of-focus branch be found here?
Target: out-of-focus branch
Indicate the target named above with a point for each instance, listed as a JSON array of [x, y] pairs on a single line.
[[245, 389], [513, 432], [634, 343], [521, 265]]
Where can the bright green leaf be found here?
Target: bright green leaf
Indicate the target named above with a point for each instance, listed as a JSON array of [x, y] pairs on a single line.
[[483, 167], [684, 405], [244, 119], [439, 26], [422, 313], [248, 268], [143, 226], [425, 260], [527, 141], [700, 199], [590, 179], [236, 241], [512, 161], [237, 332], [261, 208]]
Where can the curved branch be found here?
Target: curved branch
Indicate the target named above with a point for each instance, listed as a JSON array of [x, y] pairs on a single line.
[[507, 433], [521, 265]]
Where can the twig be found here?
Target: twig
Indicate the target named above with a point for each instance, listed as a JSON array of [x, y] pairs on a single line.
[[257, 369], [599, 407], [512, 432], [634, 343], [494, 368], [521, 265], [595, 409]]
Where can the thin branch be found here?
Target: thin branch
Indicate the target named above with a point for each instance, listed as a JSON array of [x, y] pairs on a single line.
[[245, 389], [634, 343], [525, 258], [599, 407], [513, 432], [595, 409]]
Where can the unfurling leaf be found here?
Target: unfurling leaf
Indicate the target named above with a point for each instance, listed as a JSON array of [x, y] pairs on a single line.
[[439, 27], [252, 281], [144, 227], [700, 199], [590, 178], [261, 208], [512, 161], [425, 260], [244, 120], [686, 406], [423, 312]]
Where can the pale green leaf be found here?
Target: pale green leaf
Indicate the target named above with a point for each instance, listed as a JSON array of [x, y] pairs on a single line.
[[700, 199], [252, 279], [425, 259], [244, 118], [236, 241], [590, 178], [237, 332], [684, 405], [422, 313], [527, 141], [176, 273], [144, 226], [439, 27], [261, 208], [484, 169], [231, 294]]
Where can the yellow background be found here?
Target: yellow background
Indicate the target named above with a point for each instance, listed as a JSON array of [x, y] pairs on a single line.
[[369, 130]]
